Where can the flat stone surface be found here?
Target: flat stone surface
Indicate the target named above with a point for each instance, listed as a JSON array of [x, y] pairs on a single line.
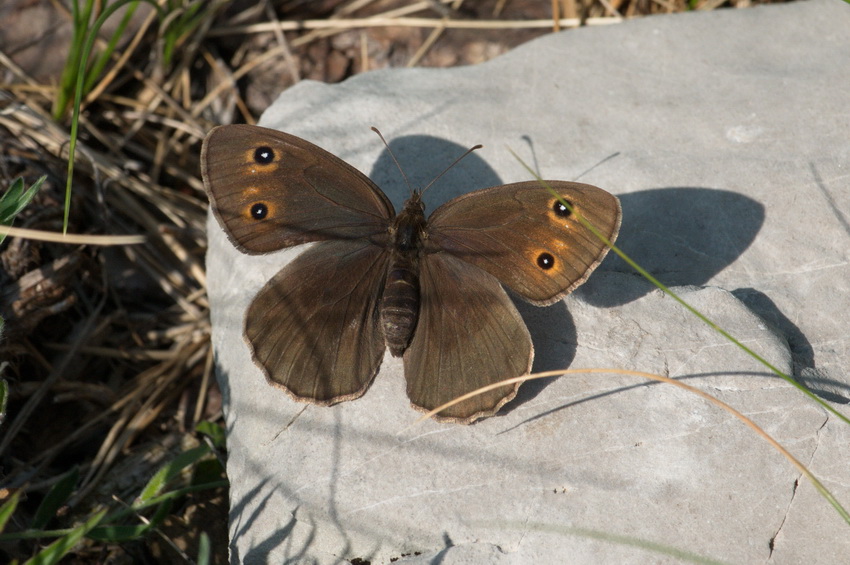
[[725, 136]]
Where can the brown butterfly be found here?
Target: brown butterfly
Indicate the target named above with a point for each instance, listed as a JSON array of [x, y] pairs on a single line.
[[429, 290]]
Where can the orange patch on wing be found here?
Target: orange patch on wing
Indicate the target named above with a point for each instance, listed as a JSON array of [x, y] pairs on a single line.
[[254, 167], [536, 254], [247, 209]]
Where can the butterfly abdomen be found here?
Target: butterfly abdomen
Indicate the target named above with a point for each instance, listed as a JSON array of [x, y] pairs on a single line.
[[400, 301], [400, 305]]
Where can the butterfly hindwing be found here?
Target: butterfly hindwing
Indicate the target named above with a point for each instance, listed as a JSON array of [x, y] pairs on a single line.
[[314, 327], [469, 335]]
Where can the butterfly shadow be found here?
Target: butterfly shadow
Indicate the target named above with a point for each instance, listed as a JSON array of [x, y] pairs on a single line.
[[554, 335], [423, 158], [683, 236]]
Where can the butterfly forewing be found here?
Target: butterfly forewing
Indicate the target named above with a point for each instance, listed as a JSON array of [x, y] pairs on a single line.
[[271, 190], [521, 234]]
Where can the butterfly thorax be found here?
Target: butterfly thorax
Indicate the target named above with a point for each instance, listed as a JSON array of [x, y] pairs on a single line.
[[400, 300]]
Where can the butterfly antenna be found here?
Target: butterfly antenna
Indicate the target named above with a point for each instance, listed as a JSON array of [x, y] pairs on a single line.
[[456, 161], [397, 164], [390, 151], [609, 157]]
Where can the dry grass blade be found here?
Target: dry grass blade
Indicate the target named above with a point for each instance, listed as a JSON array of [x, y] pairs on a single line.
[[70, 238], [356, 23], [140, 408], [693, 390]]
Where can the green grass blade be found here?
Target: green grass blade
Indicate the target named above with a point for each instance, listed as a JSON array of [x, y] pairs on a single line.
[[118, 534], [56, 550], [93, 74], [8, 509], [170, 470], [78, 97], [207, 471], [54, 500], [182, 25], [204, 549], [653, 549], [121, 533], [4, 390], [139, 506], [72, 69]]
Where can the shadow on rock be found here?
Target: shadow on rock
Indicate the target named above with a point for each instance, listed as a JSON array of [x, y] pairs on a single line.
[[681, 235]]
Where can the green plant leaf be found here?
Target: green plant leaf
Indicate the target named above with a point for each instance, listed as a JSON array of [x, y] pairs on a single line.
[[58, 495], [16, 199], [213, 431], [208, 471]]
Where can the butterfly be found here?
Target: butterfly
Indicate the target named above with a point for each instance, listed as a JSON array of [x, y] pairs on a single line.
[[428, 289]]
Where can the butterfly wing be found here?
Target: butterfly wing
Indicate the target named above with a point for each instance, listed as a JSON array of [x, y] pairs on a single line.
[[314, 328], [469, 335], [521, 234], [270, 190]]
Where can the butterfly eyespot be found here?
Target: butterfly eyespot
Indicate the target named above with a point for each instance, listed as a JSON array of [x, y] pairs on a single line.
[[545, 261], [259, 211], [263, 155], [561, 210]]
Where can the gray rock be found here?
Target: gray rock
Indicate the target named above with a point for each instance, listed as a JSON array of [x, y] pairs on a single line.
[[725, 136]]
